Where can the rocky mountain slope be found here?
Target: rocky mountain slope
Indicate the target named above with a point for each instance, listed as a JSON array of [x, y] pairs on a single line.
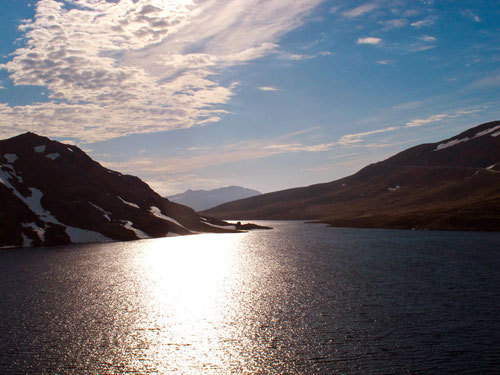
[[453, 185], [204, 199], [53, 193]]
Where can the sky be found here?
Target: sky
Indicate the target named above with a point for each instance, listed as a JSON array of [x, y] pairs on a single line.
[[265, 94]]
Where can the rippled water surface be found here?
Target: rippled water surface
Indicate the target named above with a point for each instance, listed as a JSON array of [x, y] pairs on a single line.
[[298, 299]]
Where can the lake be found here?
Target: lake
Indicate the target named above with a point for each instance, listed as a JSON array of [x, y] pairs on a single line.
[[300, 299]]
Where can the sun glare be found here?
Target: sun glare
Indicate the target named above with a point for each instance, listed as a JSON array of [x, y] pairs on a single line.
[[187, 296]]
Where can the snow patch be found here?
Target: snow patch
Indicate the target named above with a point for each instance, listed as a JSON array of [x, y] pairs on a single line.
[[39, 231], [11, 174], [34, 203], [487, 131], [172, 234], [39, 149], [139, 233], [11, 158], [157, 212], [451, 143], [78, 235], [397, 187], [53, 156], [454, 142], [69, 149], [26, 241], [128, 203], [220, 226], [4, 179], [106, 214]]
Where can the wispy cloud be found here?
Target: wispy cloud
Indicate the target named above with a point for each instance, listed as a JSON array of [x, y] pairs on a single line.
[[394, 23], [192, 160], [470, 14], [350, 139], [421, 48], [429, 21], [369, 40], [361, 10], [384, 62], [138, 66], [428, 38], [297, 147], [489, 80], [408, 105], [299, 57], [440, 117], [268, 88]]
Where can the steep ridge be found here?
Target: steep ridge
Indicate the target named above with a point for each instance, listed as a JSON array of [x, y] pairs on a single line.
[[203, 199], [53, 193], [453, 184]]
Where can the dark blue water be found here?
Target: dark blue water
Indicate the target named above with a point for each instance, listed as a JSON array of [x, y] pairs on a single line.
[[299, 299]]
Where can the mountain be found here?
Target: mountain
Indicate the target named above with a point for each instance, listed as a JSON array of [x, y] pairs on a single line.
[[203, 199], [451, 185], [53, 194]]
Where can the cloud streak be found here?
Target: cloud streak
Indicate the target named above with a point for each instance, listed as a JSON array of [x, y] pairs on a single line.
[[440, 117], [268, 88], [359, 11], [120, 68], [369, 40], [353, 139]]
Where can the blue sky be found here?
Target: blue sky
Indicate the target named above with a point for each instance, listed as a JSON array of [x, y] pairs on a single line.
[[267, 94]]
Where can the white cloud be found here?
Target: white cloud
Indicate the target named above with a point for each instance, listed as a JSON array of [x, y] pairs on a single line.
[[427, 120], [298, 147], [299, 57], [384, 62], [138, 66], [428, 38], [361, 10], [394, 23], [440, 117], [1, 87], [350, 139], [423, 23], [334, 9], [191, 161], [369, 40], [268, 88], [470, 14], [489, 80], [408, 105]]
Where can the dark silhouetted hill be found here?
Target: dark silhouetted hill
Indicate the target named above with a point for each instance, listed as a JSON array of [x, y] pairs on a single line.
[[53, 193], [451, 185]]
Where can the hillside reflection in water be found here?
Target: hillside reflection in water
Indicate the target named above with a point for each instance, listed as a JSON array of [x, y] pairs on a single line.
[[297, 299]]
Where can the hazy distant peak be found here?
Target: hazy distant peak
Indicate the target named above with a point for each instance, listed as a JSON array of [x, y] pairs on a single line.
[[204, 199]]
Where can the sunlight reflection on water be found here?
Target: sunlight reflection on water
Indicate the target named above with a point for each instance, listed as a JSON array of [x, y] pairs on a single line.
[[190, 297], [300, 299]]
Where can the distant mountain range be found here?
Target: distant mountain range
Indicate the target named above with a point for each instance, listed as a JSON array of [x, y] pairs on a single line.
[[451, 185], [53, 193], [203, 199]]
